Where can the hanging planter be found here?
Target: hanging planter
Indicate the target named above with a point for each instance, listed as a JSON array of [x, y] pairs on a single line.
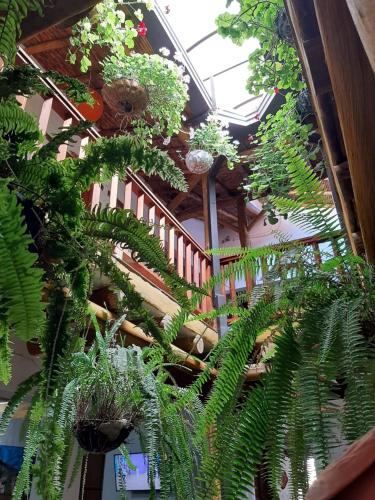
[[199, 161], [303, 104], [126, 97], [97, 436], [151, 88], [92, 112], [283, 28]]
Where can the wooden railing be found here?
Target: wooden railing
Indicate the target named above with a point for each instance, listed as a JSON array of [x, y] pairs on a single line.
[[189, 258], [321, 249]]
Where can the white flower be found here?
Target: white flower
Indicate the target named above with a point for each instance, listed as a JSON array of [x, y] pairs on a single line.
[[167, 141], [164, 51], [138, 14], [183, 118], [224, 123], [191, 133], [186, 78], [236, 143], [150, 4], [178, 56]]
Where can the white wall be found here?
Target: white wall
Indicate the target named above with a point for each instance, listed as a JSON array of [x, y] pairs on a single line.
[[196, 228], [262, 233]]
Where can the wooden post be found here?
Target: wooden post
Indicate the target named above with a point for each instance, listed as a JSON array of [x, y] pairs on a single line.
[[353, 83], [363, 14]]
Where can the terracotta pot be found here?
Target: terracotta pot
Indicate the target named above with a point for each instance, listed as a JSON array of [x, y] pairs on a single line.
[[92, 113], [199, 161], [98, 436], [126, 97]]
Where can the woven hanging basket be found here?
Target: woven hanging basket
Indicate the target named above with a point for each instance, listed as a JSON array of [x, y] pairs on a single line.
[[125, 97], [199, 161]]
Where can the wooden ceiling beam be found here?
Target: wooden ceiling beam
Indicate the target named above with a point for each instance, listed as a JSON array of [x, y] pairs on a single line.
[[192, 181], [47, 46], [54, 13]]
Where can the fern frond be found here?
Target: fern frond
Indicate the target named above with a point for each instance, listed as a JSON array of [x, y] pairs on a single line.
[[18, 397], [5, 355], [20, 283], [15, 121], [359, 410], [124, 229], [243, 335], [13, 13], [310, 210], [107, 157]]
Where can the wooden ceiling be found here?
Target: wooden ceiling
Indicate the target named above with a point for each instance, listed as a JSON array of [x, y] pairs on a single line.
[[50, 49]]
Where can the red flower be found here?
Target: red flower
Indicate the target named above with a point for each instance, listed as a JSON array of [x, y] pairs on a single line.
[[276, 90], [142, 29], [257, 117]]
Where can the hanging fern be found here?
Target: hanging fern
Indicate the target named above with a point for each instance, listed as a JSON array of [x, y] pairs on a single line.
[[15, 121], [124, 229], [13, 13], [106, 157], [20, 282], [310, 210], [5, 354]]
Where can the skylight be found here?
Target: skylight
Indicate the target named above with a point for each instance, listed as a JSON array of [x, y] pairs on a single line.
[[221, 66]]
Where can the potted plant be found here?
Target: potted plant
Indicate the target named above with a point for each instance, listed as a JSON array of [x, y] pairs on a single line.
[[208, 140], [106, 25], [143, 85]]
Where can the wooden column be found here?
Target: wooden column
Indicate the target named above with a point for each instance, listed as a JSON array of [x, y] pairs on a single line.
[[219, 298], [353, 83], [363, 14]]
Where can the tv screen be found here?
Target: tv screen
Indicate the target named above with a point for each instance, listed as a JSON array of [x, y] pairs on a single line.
[[133, 480]]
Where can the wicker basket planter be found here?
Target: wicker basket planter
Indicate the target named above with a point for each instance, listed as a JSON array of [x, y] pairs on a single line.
[[126, 96], [199, 161], [98, 436]]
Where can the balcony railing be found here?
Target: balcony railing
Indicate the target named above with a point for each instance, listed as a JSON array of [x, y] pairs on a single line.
[[189, 258]]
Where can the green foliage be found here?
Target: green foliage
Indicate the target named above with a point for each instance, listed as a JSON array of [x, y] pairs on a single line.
[[106, 157], [213, 138], [13, 12], [310, 209], [275, 63], [20, 280], [279, 138], [165, 85], [27, 80], [5, 355], [107, 25]]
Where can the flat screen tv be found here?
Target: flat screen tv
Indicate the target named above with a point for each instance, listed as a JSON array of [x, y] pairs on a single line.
[[133, 480]]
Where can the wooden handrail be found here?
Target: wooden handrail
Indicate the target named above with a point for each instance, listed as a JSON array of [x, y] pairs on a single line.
[[189, 258]]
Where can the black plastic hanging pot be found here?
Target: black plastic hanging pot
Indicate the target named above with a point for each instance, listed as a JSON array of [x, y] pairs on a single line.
[[98, 436], [283, 28], [303, 105]]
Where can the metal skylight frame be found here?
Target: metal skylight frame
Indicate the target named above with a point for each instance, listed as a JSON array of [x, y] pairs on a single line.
[[228, 114]]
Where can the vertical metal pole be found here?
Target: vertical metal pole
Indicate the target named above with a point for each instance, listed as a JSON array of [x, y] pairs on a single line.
[[219, 298]]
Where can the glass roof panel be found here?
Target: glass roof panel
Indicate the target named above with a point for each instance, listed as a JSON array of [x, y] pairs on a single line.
[[193, 22]]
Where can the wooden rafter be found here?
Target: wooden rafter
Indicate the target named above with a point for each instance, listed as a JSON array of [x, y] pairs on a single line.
[[48, 46], [192, 181]]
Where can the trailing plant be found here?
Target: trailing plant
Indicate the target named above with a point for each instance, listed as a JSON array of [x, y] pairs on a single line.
[[13, 12], [279, 140], [275, 64], [166, 86], [107, 25], [109, 387], [214, 138], [27, 80]]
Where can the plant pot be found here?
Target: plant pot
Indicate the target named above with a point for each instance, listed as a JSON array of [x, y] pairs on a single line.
[[125, 97], [199, 161], [98, 436], [303, 105], [283, 28], [91, 113]]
